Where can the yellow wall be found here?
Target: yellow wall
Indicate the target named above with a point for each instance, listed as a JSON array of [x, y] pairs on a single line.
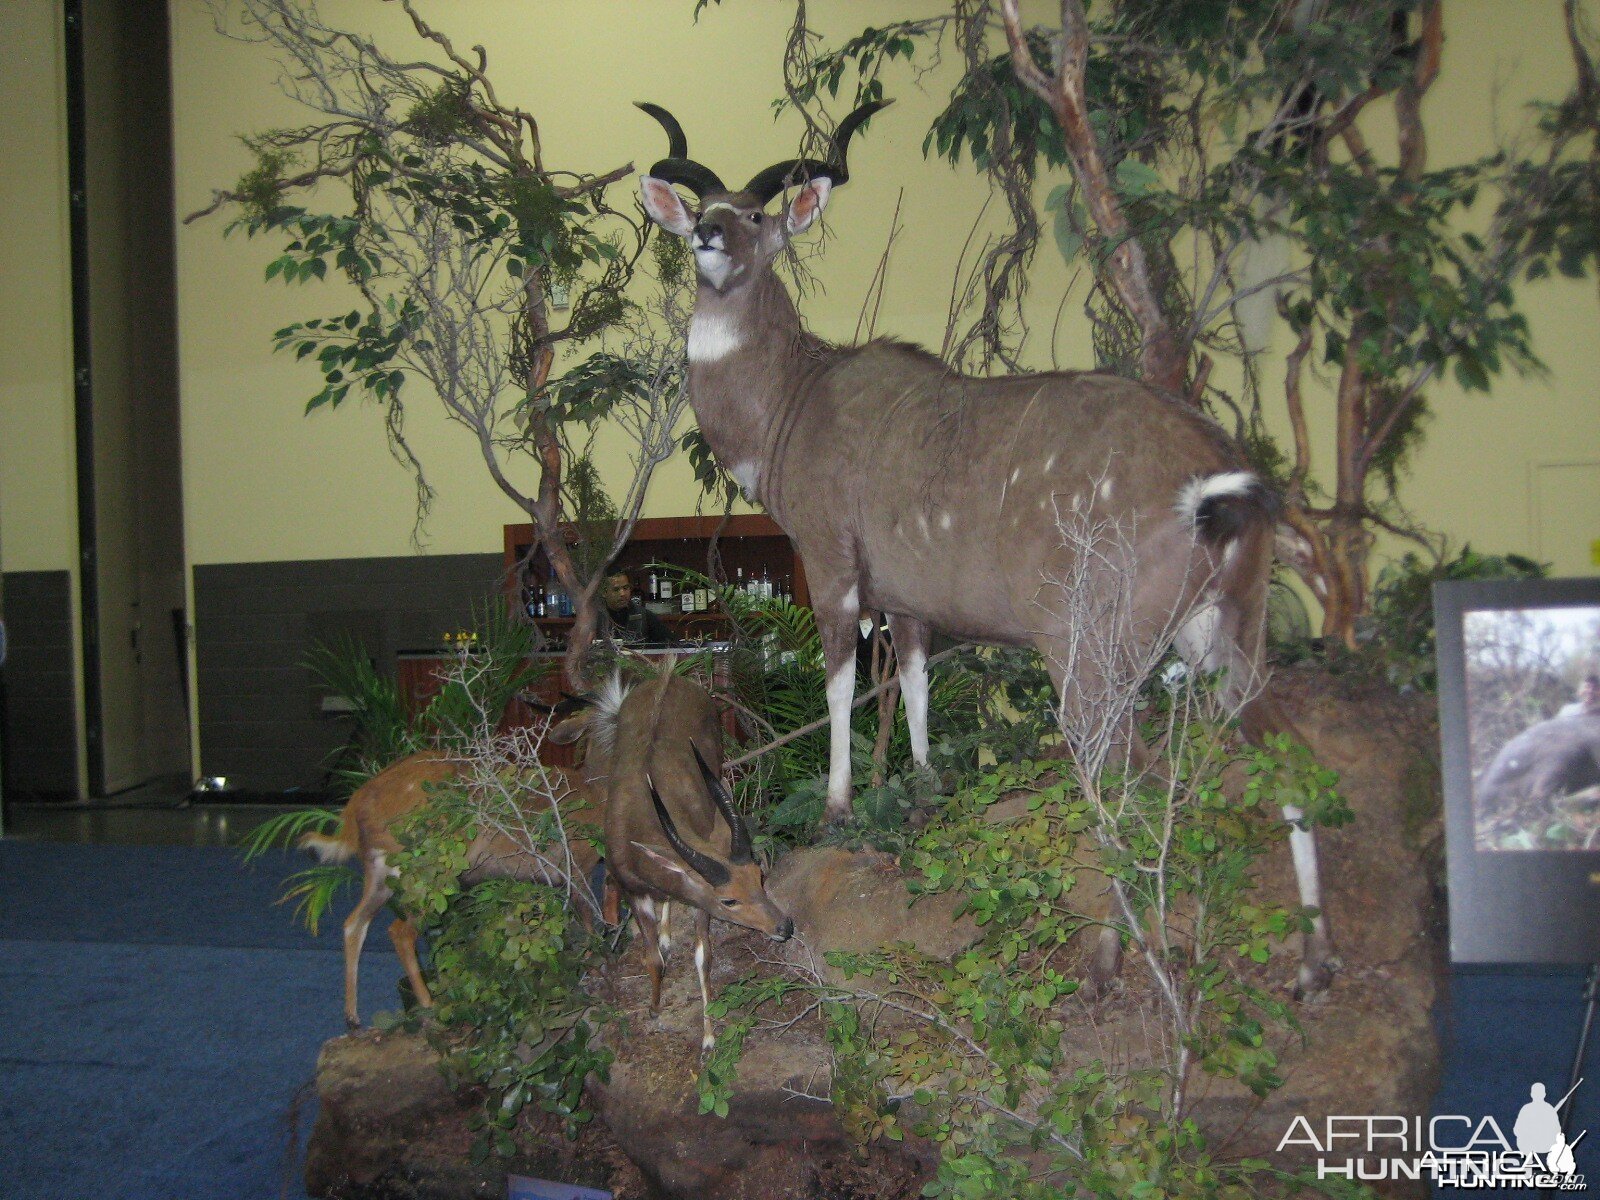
[[38, 505], [264, 482]]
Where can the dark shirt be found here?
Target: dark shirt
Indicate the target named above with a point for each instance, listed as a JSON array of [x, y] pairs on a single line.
[[637, 625]]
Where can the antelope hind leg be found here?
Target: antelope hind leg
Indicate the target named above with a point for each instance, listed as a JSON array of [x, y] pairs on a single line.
[[404, 936], [375, 894]]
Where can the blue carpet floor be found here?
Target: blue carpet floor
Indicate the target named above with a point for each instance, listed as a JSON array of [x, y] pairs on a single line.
[[160, 1020], [159, 1017]]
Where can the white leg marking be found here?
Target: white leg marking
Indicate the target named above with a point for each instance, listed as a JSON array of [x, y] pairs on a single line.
[[1303, 847], [664, 941], [1196, 639], [944, 520], [708, 1039], [841, 690], [914, 688]]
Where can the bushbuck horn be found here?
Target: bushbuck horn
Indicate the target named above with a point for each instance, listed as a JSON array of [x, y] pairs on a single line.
[[707, 867], [767, 184], [739, 851], [678, 167]]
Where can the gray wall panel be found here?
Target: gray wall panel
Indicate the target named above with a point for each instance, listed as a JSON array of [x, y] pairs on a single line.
[[38, 688], [260, 722]]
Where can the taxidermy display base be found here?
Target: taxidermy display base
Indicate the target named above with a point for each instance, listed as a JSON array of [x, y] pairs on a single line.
[[389, 1127]]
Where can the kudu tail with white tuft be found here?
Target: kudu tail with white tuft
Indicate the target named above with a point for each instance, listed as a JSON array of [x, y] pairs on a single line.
[[933, 497]]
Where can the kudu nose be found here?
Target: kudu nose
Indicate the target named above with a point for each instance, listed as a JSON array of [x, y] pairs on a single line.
[[705, 231], [786, 930]]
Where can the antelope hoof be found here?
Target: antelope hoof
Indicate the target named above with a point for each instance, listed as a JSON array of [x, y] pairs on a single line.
[[1316, 977], [707, 1044], [834, 819], [352, 1024]]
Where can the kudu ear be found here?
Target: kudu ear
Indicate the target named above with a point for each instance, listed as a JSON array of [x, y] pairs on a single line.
[[808, 204], [665, 206]]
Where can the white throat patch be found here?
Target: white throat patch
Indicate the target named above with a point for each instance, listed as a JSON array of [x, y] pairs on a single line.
[[712, 339]]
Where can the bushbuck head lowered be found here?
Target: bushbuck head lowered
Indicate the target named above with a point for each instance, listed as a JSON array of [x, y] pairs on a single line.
[[672, 832], [941, 500]]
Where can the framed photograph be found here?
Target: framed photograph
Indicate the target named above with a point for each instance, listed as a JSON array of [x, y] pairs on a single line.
[[1519, 716]]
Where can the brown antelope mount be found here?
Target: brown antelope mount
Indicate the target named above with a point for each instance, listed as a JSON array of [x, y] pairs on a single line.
[[672, 832], [366, 834], [938, 498]]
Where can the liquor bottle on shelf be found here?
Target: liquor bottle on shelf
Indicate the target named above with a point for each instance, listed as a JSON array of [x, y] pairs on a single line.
[[738, 580], [654, 587], [702, 599], [788, 589], [686, 601], [766, 583], [666, 588]]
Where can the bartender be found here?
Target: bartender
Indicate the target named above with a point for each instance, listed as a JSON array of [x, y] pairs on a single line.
[[631, 622]]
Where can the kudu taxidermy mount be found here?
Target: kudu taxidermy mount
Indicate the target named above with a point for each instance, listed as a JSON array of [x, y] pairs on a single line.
[[938, 499]]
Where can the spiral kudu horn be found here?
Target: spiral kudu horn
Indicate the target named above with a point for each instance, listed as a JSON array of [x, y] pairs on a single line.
[[739, 849], [678, 167], [767, 184], [707, 867]]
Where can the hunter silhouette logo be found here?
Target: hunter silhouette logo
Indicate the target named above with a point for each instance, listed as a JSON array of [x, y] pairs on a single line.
[[1538, 1132], [1447, 1150]]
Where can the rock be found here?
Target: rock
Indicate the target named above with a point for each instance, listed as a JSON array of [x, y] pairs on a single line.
[[778, 1142], [857, 901], [389, 1128]]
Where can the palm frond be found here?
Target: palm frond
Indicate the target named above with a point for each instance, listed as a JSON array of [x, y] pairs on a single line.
[[286, 830], [315, 890]]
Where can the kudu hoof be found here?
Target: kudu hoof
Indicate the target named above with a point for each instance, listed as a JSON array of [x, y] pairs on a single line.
[[1315, 978]]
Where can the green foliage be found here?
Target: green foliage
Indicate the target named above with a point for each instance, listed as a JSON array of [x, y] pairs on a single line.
[[385, 733], [260, 188], [592, 516], [1399, 635], [974, 1052], [508, 959], [443, 115], [316, 888]]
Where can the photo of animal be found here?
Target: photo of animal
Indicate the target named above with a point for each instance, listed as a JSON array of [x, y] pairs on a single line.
[[1533, 704]]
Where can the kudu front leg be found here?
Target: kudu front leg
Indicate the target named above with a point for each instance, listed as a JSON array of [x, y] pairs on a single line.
[[836, 620]]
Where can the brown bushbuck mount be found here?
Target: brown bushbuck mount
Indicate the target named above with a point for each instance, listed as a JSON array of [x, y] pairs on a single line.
[[641, 745], [672, 832], [366, 834], [939, 499]]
